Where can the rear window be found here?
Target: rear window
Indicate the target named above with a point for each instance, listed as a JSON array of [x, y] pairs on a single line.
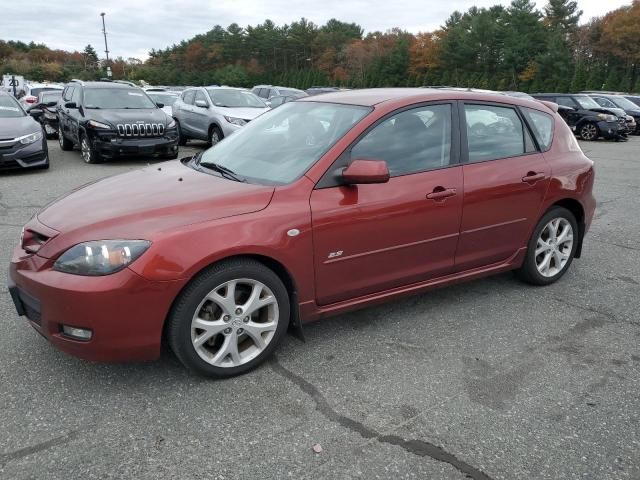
[[542, 126]]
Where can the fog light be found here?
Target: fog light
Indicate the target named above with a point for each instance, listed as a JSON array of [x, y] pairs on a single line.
[[77, 333]]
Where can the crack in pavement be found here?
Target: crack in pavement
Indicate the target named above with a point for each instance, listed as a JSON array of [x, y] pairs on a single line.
[[416, 447], [614, 319], [628, 247], [39, 447]]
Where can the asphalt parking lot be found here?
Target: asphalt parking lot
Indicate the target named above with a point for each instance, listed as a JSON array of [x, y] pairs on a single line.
[[490, 379]]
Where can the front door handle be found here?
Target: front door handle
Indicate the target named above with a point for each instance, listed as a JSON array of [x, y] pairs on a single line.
[[533, 177], [440, 193]]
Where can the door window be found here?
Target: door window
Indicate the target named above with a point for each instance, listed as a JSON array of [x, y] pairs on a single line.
[[188, 96], [411, 141], [495, 132], [75, 97], [68, 93], [566, 101], [201, 96], [605, 102]]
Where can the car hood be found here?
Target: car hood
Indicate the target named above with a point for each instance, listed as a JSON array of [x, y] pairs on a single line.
[[124, 115], [607, 110], [241, 112], [139, 204], [17, 126]]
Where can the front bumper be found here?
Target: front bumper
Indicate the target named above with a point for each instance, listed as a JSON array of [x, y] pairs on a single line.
[[110, 145], [23, 156], [125, 312], [609, 129]]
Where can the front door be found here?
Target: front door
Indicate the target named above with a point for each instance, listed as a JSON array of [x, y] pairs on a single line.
[[505, 181], [369, 238]]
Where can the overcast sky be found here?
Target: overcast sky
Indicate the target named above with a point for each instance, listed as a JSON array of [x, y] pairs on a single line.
[[136, 26]]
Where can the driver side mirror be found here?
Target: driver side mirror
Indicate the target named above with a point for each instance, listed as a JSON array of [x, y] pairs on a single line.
[[202, 104], [159, 104], [70, 105], [35, 112], [365, 172], [50, 104]]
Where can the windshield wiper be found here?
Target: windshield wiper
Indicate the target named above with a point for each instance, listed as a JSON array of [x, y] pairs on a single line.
[[222, 170]]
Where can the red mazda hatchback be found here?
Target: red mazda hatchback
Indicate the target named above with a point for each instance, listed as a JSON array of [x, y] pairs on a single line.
[[320, 206]]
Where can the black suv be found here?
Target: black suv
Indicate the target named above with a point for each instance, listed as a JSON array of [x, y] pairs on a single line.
[[110, 120], [586, 118]]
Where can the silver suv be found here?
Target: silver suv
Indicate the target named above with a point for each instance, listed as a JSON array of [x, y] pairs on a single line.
[[212, 113], [269, 92]]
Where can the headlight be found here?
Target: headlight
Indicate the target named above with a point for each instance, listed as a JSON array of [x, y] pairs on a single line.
[[102, 257], [31, 138], [236, 121], [94, 124], [607, 118], [172, 124]]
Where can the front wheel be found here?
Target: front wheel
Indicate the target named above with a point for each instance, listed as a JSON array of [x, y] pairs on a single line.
[[588, 131], [89, 154], [551, 248], [215, 135], [229, 319]]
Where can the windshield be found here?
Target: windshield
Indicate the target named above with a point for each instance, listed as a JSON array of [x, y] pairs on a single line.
[[9, 108], [586, 102], [624, 103], [280, 145], [164, 98], [116, 98], [234, 98]]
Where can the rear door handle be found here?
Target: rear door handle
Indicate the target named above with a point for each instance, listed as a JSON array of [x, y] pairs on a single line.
[[440, 193], [533, 177]]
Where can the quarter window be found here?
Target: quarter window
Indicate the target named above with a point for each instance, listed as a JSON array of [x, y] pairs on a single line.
[[542, 126], [495, 132], [75, 97], [411, 141]]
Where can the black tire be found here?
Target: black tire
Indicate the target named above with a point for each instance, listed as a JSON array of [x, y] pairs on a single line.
[[170, 156], [215, 135], [182, 138], [589, 131], [65, 143], [89, 154], [178, 328], [529, 272]]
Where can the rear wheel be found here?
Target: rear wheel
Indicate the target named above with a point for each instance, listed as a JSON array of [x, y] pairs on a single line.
[[65, 144], [551, 248], [588, 131], [229, 319]]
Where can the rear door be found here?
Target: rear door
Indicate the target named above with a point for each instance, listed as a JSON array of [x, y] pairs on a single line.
[[370, 238], [75, 115], [505, 181]]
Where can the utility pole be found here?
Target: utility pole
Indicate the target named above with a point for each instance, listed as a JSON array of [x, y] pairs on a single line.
[[106, 48]]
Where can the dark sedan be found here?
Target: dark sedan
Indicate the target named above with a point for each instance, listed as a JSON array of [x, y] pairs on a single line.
[[22, 141]]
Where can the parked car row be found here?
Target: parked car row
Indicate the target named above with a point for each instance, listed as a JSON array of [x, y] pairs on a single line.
[[593, 116]]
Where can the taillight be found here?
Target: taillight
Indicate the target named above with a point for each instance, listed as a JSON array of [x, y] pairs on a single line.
[[31, 99]]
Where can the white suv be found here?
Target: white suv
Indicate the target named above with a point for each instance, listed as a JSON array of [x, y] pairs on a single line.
[[212, 113]]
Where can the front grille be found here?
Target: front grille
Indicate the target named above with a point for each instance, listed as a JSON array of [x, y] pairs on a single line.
[[9, 164], [140, 129]]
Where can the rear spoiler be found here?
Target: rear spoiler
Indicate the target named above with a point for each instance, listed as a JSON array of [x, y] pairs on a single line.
[[551, 105]]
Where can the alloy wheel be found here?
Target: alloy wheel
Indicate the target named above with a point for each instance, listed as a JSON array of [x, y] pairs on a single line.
[[589, 131], [234, 323], [86, 150], [215, 137], [553, 248]]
